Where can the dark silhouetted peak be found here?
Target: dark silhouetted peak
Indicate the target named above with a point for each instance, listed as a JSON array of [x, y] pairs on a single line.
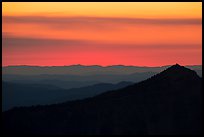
[[180, 70], [177, 67], [175, 73]]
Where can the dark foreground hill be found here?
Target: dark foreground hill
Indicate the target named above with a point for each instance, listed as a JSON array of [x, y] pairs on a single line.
[[167, 103]]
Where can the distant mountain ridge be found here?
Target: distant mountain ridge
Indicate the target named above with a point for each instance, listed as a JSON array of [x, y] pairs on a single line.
[[79, 76], [84, 70], [167, 103]]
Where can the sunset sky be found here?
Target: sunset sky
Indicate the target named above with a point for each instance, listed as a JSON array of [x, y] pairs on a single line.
[[132, 33]]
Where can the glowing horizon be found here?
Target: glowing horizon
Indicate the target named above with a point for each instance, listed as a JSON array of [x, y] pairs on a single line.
[[132, 33]]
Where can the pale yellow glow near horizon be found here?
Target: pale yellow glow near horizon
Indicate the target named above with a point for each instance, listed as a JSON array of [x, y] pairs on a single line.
[[105, 9]]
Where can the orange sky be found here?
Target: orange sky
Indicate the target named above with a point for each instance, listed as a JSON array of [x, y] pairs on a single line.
[[142, 34]]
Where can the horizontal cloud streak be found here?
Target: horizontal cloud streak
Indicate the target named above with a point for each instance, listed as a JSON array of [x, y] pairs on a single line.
[[129, 36], [121, 30], [29, 42], [11, 42], [25, 50], [93, 20]]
